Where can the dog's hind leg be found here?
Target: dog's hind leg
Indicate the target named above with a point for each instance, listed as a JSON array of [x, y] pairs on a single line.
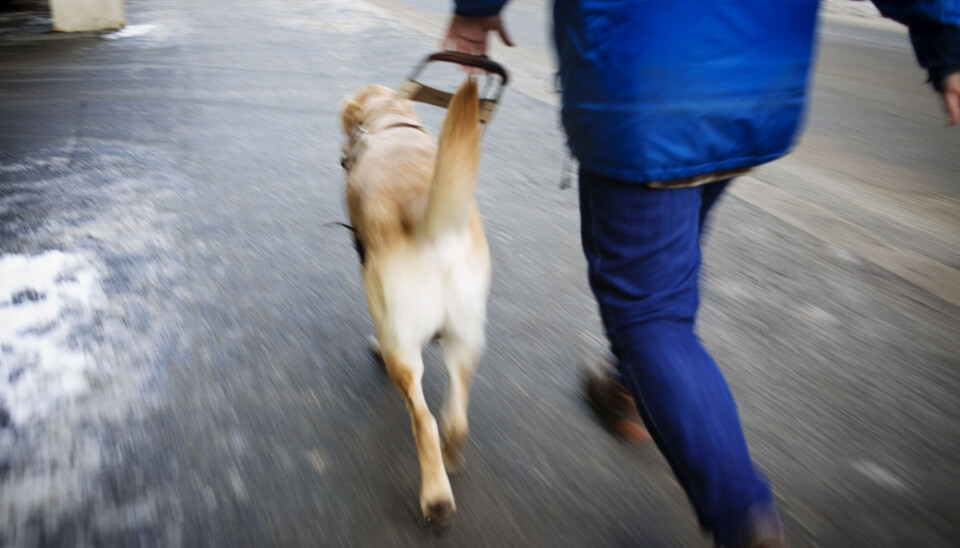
[[406, 371], [460, 358]]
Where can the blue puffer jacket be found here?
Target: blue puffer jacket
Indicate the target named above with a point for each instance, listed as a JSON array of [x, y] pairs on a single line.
[[659, 90]]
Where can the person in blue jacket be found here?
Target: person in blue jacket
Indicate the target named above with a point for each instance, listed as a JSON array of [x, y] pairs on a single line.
[[664, 102]]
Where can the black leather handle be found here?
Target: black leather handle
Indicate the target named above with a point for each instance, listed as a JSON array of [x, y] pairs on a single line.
[[477, 61]]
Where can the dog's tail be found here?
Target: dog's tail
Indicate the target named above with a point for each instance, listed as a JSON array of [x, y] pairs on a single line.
[[458, 158]]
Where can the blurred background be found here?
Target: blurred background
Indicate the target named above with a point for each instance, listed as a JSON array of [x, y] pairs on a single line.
[[182, 335]]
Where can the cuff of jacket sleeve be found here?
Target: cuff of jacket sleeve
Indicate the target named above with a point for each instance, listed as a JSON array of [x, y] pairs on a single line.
[[478, 11], [939, 75]]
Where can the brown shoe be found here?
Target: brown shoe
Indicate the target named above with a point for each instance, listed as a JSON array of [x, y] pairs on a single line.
[[614, 406], [762, 529]]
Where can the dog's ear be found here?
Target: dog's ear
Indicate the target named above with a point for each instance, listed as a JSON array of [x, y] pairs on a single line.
[[355, 108], [351, 115]]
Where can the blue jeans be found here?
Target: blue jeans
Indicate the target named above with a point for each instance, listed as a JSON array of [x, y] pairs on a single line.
[[643, 250]]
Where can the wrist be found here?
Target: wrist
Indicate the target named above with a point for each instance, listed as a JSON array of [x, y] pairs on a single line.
[[939, 75]]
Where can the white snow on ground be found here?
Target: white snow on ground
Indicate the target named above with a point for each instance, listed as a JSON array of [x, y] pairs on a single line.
[[58, 386], [42, 299], [132, 31]]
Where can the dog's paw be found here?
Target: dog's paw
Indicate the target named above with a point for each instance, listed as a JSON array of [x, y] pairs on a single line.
[[439, 513]]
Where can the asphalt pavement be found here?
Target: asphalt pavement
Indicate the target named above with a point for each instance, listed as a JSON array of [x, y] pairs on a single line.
[[166, 194]]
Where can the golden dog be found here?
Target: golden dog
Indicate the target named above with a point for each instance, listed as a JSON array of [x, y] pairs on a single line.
[[426, 263]]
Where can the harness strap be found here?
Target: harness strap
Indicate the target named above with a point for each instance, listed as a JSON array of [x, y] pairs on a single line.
[[351, 151]]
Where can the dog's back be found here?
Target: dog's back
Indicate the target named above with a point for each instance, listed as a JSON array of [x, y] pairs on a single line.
[[412, 205], [404, 185]]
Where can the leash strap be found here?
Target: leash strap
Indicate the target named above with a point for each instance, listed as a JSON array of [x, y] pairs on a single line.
[[412, 90]]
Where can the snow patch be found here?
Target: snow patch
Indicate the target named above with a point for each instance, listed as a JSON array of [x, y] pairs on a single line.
[[132, 31], [42, 300], [57, 387]]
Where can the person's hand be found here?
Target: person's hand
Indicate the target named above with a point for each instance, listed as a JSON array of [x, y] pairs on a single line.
[[951, 98], [469, 34]]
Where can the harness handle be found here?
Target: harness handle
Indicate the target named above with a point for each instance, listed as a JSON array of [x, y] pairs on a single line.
[[412, 90], [477, 61]]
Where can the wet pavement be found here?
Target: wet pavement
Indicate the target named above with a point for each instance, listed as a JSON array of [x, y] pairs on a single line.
[[223, 394]]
